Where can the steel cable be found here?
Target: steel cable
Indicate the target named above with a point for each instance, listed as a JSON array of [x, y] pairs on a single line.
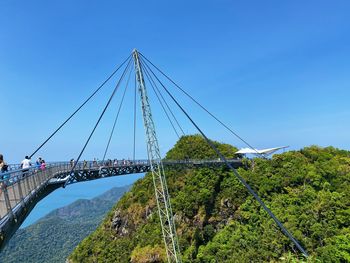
[[241, 179], [116, 118], [164, 100], [160, 102], [82, 105], [135, 94], [201, 106], [97, 123]]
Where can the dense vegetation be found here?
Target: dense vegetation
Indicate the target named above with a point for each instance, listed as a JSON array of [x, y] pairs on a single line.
[[218, 221], [54, 237]]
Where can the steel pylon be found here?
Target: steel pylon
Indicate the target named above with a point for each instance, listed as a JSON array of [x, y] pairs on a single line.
[[159, 180]]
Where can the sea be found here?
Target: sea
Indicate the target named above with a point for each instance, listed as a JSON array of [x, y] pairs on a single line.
[[83, 190]]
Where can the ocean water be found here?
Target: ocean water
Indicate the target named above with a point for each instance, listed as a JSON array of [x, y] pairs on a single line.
[[84, 190]]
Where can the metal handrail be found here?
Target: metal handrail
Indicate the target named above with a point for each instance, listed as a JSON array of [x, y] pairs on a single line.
[[15, 171], [14, 175], [20, 184]]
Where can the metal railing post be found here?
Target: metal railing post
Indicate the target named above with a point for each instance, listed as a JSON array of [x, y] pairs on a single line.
[[30, 181], [27, 185], [34, 179], [20, 190], [7, 200]]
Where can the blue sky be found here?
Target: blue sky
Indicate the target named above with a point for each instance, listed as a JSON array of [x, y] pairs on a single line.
[[277, 72]]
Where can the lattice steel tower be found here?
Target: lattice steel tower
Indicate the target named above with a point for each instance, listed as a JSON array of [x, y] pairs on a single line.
[[159, 181]]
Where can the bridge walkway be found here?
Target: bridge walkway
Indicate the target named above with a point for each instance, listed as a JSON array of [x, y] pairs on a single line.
[[21, 190]]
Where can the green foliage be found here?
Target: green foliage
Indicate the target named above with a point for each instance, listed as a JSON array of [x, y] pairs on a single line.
[[218, 221], [54, 237], [195, 147], [148, 254]]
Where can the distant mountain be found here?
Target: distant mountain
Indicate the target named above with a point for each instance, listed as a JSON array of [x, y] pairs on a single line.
[[54, 237]]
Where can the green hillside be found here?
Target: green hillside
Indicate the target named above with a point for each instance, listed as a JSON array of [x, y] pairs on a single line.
[[54, 237], [218, 221]]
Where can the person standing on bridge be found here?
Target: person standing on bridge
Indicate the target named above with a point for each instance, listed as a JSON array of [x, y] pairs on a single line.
[[3, 168], [25, 165], [38, 162], [3, 165], [42, 165], [71, 162]]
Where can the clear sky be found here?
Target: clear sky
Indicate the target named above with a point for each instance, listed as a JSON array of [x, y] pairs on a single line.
[[277, 72]]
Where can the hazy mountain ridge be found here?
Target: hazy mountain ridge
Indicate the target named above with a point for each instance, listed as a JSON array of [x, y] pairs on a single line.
[[53, 237]]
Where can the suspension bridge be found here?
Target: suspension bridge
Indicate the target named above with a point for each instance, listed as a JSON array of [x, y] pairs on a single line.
[[21, 189]]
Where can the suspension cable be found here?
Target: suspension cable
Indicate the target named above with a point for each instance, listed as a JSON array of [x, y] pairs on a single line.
[[201, 106], [116, 118], [98, 121], [135, 95], [161, 95], [160, 102], [241, 179], [82, 105]]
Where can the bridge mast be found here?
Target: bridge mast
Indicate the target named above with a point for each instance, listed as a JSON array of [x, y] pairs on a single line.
[[159, 181]]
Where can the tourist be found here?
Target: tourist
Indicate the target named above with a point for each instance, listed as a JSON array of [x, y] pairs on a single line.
[[71, 163], [3, 168], [38, 162], [3, 165], [25, 165], [42, 165]]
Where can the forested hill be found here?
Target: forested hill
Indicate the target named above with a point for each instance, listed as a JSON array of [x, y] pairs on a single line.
[[218, 221], [54, 237]]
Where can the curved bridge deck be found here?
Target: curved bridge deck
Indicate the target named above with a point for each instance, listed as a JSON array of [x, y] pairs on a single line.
[[21, 190]]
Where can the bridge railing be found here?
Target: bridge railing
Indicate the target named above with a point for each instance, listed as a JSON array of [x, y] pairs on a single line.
[[200, 161], [18, 185]]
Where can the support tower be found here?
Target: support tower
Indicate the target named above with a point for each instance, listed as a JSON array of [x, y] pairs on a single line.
[[159, 181]]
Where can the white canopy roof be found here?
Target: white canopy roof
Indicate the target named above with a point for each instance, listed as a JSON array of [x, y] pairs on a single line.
[[262, 151]]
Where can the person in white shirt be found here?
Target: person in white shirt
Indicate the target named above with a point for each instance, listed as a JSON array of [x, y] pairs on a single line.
[[25, 165]]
